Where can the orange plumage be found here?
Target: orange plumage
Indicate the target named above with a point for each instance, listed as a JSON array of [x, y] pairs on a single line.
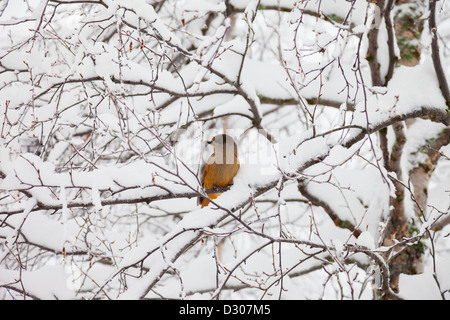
[[221, 167]]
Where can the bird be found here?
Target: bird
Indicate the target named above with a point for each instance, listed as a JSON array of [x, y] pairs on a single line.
[[221, 167]]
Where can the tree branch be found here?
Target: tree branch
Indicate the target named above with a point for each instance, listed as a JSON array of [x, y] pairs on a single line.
[[443, 85], [338, 222]]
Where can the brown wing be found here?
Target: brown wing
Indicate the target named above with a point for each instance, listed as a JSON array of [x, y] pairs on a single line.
[[214, 174]]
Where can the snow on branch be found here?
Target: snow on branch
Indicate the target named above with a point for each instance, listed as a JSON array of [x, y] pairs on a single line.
[[339, 111]]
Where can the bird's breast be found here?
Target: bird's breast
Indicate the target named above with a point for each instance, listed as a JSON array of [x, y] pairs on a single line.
[[221, 175]]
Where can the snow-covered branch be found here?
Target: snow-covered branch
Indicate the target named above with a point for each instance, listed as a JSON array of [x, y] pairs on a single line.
[[340, 115]]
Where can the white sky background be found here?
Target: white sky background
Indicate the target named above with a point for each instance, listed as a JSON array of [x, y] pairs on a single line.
[[364, 183]]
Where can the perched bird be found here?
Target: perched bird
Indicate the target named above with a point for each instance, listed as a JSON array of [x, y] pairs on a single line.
[[221, 166]]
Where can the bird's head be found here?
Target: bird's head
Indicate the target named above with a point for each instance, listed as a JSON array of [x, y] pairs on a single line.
[[224, 145]]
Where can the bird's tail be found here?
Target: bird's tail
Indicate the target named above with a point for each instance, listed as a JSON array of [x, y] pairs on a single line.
[[204, 201]]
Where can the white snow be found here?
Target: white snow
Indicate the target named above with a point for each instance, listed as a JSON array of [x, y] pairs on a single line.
[[104, 116]]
